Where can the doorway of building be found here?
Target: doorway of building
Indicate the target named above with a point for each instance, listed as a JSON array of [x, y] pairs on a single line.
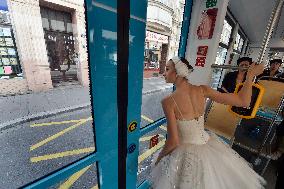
[[58, 34]]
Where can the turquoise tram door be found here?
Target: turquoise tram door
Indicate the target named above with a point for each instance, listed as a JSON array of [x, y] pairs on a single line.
[[116, 41]]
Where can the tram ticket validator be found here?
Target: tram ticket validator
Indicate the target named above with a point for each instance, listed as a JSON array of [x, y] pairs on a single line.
[[248, 112]]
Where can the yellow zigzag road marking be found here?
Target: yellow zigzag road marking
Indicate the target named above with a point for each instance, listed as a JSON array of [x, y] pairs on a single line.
[[58, 134], [67, 184], [62, 154], [56, 123]]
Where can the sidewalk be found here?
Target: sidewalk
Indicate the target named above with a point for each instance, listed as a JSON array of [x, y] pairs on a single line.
[[22, 108]]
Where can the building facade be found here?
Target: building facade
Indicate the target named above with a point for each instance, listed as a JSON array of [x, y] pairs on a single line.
[[164, 21], [43, 42], [49, 42]]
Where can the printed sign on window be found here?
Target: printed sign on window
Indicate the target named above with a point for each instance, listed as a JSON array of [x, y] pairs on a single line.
[[207, 24], [154, 141], [202, 50], [8, 69], [200, 61]]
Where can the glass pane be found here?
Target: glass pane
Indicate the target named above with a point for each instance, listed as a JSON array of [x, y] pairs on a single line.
[[1, 32], [241, 43], [11, 51], [7, 32], [3, 51], [236, 44], [60, 21], [221, 55], [9, 42], [45, 23], [60, 26], [69, 27], [46, 120], [13, 61], [226, 33], [217, 73], [2, 42], [53, 24], [159, 48], [5, 61], [44, 13]]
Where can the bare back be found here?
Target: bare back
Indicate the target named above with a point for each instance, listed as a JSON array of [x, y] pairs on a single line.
[[189, 102]]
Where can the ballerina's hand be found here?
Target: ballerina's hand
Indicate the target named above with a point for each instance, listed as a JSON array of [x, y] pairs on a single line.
[[255, 69]]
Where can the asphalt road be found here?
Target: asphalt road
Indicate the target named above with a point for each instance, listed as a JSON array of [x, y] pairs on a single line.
[[35, 149]]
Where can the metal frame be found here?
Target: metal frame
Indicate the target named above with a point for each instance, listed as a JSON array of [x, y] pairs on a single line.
[[185, 28], [270, 26]]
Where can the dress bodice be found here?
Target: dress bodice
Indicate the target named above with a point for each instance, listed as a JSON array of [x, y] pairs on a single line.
[[192, 131]]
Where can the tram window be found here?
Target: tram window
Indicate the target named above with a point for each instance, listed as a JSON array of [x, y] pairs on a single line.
[[226, 33], [217, 73], [159, 48], [46, 119]]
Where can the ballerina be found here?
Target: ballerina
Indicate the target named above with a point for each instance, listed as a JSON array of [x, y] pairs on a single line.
[[193, 158]]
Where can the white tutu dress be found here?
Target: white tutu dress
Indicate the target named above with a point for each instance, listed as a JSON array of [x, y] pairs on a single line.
[[203, 161]]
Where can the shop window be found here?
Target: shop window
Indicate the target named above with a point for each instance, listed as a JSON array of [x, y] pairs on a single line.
[[9, 64]]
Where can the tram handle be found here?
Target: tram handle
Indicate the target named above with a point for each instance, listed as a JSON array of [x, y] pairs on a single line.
[[217, 66]]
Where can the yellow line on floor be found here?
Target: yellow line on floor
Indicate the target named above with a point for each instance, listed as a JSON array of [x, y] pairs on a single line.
[[151, 151], [62, 154], [143, 139], [151, 121], [58, 134], [56, 123], [95, 187], [67, 184]]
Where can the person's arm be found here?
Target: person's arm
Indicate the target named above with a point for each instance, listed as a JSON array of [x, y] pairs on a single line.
[[172, 139], [243, 98]]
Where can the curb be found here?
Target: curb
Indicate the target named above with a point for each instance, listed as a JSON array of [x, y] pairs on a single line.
[[41, 115], [155, 91]]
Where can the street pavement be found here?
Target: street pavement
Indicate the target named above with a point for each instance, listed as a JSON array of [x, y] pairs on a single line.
[[28, 107]]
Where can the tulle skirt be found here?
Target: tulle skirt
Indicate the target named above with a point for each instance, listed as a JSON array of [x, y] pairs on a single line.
[[213, 165]]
